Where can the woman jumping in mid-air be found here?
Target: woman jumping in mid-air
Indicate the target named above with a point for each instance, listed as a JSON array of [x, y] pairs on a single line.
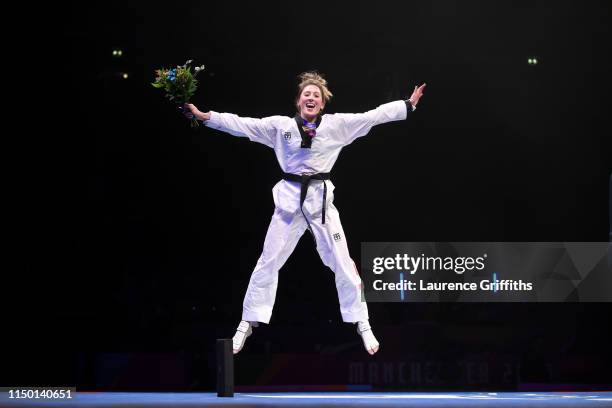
[[306, 147]]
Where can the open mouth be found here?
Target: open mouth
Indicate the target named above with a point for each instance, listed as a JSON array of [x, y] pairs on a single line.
[[310, 106]]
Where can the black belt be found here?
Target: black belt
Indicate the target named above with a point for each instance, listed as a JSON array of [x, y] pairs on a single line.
[[304, 180]]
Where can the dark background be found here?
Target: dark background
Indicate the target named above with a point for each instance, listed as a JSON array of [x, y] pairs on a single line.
[[136, 234]]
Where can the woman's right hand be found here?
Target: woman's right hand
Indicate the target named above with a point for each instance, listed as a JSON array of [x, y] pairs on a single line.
[[191, 111]]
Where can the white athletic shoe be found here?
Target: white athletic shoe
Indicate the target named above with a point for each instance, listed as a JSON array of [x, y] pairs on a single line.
[[369, 341], [242, 332]]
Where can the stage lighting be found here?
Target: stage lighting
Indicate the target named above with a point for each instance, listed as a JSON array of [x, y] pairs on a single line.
[[125, 75], [117, 53], [532, 61]]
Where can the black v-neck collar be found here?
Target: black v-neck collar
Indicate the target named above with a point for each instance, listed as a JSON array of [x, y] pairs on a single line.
[[306, 139]]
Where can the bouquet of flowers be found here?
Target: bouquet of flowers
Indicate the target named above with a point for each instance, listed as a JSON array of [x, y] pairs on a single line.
[[179, 83]]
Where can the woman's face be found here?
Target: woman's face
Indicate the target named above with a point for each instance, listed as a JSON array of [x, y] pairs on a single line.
[[310, 102]]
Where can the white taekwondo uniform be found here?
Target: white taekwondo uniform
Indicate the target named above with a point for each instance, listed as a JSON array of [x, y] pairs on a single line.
[[290, 220]]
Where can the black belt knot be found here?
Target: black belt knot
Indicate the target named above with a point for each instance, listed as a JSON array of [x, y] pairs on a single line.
[[304, 180]]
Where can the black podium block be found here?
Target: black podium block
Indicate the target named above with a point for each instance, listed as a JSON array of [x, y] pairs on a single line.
[[225, 368]]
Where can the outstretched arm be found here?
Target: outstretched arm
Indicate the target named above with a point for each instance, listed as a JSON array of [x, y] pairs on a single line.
[[359, 124], [257, 130]]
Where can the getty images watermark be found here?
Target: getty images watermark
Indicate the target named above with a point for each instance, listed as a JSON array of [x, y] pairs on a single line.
[[486, 272], [458, 264]]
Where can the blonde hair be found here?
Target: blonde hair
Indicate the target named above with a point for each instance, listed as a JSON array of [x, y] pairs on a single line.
[[313, 78]]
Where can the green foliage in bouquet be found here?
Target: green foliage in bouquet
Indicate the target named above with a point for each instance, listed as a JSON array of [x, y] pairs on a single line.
[[179, 83]]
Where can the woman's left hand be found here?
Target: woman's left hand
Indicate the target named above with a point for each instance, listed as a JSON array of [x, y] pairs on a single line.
[[416, 94]]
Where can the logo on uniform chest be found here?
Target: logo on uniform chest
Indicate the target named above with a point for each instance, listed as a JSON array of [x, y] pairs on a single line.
[[306, 140]]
